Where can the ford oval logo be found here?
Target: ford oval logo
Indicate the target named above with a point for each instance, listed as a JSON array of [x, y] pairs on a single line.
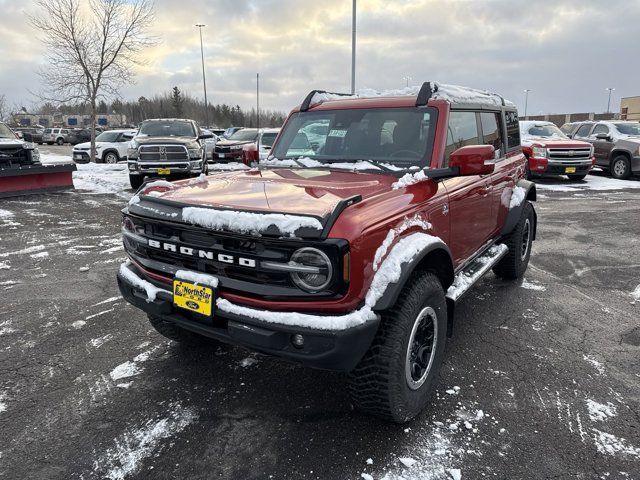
[[192, 305]]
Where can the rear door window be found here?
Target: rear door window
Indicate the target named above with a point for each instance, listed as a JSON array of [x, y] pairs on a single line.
[[491, 131], [461, 132]]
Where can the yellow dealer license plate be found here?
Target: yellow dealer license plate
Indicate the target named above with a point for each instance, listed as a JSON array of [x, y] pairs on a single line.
[[193, 297], [164, 171], [570, 170]]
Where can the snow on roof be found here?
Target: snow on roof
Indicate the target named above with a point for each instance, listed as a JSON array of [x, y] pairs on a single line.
[[442, 91]]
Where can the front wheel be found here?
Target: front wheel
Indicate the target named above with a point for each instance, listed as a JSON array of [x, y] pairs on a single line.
[[621, 167], [60, 141], [577, 178], [136, 181], [515, 262], [394, 378]]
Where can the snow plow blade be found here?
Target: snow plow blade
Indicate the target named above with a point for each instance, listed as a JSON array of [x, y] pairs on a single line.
[[30, 179]]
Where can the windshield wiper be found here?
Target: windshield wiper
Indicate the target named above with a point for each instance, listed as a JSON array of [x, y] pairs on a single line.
[[375, 163]]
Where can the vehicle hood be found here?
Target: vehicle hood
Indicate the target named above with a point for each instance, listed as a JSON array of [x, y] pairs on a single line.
[[86, 145], [230, 143], [163, 140], [551, 142], [10, 142], [310, 192]]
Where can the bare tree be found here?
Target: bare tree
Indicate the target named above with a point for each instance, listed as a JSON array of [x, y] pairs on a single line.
[[92, 48], [4, 109]]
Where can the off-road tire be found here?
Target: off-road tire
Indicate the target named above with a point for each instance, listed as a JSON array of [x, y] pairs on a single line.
[[620, 167], [136, 181], [577, 177], [515, 262], [173, 332], [378, 385]]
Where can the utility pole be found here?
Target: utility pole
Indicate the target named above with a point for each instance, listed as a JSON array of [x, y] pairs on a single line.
[[408, 79], [204, 79], [257, 100], [611, 89], [526, 101], [353, 49]]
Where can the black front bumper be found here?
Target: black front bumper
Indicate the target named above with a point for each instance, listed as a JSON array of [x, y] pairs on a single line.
[[559, 168], [338, 350]]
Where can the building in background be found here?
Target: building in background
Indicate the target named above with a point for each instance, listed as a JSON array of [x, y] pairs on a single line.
[[70, 121], [630, 108]]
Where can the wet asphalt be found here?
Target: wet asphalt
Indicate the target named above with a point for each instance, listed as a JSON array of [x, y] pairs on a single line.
[[89, 390]]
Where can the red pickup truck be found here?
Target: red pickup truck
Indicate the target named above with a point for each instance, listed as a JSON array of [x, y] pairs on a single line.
[[347, 253], [550, 152]]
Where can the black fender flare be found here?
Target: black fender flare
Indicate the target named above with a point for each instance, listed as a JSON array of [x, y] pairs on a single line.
[[444, 272], [515, 213]]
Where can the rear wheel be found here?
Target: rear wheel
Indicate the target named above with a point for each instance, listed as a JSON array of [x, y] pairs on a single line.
[[111, 157], [60, 141], [621, 167], [578, 177], [515, 262], [136, 181], [394, 378], [173, 332]]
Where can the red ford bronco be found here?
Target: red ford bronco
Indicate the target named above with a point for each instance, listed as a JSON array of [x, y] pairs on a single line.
[[346, 253]]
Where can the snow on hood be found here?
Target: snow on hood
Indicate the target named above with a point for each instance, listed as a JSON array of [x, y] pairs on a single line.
[[11, 142]]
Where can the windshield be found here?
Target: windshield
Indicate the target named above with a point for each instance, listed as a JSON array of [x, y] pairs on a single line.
[[268, 139], [545, 131], [107, 137], [167, 128], [5, 132], [398, 136], [628, 128], [244, 135]]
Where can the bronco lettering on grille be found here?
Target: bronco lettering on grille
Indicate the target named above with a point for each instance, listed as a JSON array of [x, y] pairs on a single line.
[[193, 252]]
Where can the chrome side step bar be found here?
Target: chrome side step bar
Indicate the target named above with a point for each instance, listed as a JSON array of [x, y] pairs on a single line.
[[468, 276]]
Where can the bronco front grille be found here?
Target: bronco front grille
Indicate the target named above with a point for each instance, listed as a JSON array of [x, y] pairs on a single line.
[[569, 153], [170, 153]]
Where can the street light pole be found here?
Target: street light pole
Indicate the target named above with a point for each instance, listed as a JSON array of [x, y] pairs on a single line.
[[353, 49], [204, 79], [526, 101], [611, 89], [257, 100], [408, 79]]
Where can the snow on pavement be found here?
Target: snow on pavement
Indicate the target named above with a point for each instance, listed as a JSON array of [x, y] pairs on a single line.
[[591, 182]]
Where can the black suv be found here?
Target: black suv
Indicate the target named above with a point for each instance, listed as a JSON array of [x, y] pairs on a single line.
[[616, 145], [169, 147]]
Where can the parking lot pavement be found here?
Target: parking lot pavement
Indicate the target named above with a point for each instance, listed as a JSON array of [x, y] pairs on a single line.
[[541, 377]]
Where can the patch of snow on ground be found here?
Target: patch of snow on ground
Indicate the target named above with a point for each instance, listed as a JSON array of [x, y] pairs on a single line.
[[231, 166], [635, 294], [248, 362], [407, 461], [125, 370], [40, 255], [591, 182], [5, 213], [78, 324], [533, 286], [3, 405], [599, 412], [133, 447], [4, 266], [98, 342], [246, 222], [595, 363], [609, 444]]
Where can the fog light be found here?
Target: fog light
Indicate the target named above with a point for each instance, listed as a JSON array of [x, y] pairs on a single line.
[[297, 340]]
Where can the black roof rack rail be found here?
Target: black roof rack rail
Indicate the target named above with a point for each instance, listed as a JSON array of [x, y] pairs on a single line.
[[425, 93], [307, 101]]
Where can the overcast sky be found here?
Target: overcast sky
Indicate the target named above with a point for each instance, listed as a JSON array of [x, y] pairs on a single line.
[[567, 52]]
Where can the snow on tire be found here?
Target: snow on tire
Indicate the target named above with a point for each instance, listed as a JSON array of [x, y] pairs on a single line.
[[394, 378]]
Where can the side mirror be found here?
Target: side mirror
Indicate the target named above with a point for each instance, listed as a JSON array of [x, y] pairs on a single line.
[[474, 160], [602, 136]]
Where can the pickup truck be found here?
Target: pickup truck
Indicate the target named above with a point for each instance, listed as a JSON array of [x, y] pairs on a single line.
[[351, 258], [550, 152], [167, 147]]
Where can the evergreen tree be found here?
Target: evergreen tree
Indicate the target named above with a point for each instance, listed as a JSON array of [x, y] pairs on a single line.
[[178, 102]]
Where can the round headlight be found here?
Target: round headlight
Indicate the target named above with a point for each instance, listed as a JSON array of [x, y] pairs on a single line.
[[319, 271]]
